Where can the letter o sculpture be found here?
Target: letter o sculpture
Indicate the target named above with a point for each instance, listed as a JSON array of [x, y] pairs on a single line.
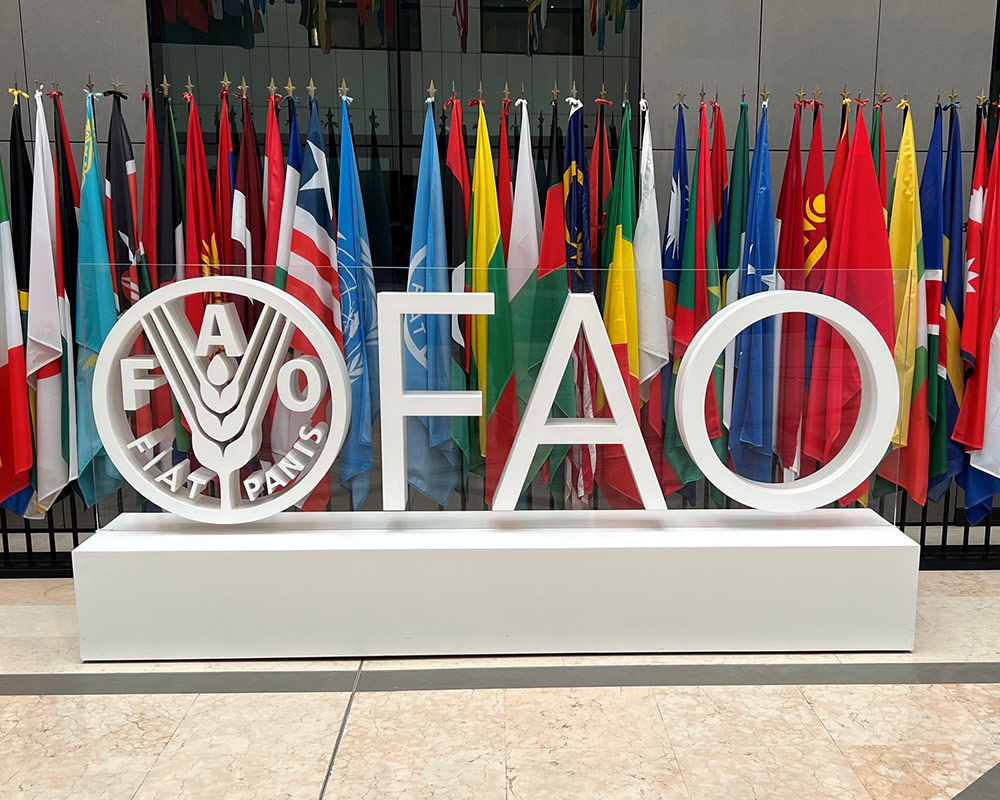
[[865, 447]]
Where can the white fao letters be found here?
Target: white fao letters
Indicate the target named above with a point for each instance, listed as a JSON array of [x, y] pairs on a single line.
[[222, 384]]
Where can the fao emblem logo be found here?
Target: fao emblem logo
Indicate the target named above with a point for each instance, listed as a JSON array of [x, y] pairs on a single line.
[[228, 382]]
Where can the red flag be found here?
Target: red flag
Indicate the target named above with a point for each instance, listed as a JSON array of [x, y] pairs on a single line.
[[505, 189], [274, 186], [150, 192], [983, 286], [225, 174], [599, 174], [720, 171], [839, 167], [791, 258], [248, 213], [859, 272], [201, 252], [815, 221]]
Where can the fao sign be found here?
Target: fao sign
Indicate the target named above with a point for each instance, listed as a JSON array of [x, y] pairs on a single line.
[[223, 381]]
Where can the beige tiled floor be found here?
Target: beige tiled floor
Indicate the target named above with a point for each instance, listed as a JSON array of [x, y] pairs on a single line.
[[891, 742]]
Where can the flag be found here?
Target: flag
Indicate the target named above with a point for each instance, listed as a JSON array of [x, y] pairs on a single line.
[[579, 221], [67, 196], [293, 176], [247, 249], [151, 191], [47, 355], [859, 273], [698, 299], [505, 189], [457, 198], [358, 311], [599, 173], [673, 242], [312, 265], [739, 201], [122, 218], [720, 185], [461, 14], [169, 242], [932, 217], [908, 467], [654, 342], [750, 435], [431, 453], [492, 341], [20, 229], [878, 153], [791, 266], [201, 250], [96, 315], [373, 192], [837, 171], [620, 315], [15, 447], [274, 186], [225, 178], [979, 339], [951, 372], [537, 281]]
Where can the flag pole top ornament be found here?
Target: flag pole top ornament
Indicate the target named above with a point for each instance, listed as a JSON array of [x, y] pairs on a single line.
[[225, 83], [981, 98], [953, 99], [224, 397], [701, 94], [881, 98], [16, 93], [555, 92], [164, 86], [680, 97], [244, 89], [522, 90], [431, 91], [764, 95], [506, 91], [573, 91], [311, 88], [604, 91], [116, 89], [272, 90], [480, 91], [289, 88], [800, 95], [845, 96], [743, 94], [190, 87], [55, 89]]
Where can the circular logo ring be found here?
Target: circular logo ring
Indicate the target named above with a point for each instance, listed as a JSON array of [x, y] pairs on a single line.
[[116, 432], [865, 447]]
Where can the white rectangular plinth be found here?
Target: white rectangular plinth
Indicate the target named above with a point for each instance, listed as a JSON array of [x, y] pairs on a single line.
[[153, 586]]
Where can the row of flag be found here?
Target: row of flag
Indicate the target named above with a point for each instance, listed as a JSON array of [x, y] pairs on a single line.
[[783, 398]]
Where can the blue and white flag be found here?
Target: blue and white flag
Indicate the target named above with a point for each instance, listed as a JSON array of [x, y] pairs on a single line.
[[432, 457], [360, 326], [673, 244], [752, 432], [95, 316]]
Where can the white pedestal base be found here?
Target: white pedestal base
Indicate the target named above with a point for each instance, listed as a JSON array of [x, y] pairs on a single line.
[[154, 586]]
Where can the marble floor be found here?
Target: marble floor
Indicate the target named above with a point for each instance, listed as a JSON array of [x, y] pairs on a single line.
[[899, 740]]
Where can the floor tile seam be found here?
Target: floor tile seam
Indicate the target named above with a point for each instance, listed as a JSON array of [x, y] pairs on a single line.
[[994, 738], [166, 744], [670, 744], [836, 744], [340, 732]]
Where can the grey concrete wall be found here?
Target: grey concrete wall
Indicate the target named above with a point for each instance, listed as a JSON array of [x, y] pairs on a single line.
[[917, 47]]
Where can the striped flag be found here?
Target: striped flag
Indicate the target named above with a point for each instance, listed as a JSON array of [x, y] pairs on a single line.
[[169, 243], [274, 186], [492, 340], [20, 229], [431, 453], [15, 447], [878, 154], [932, 215], [96, 315], [599, 173], [673, 246], [621, 316], [356, 298], [151, 192], [47, 356], [908, 467], [698, 299], [505, 188], [293, 176], [248, 209], [201, 250], [980, 335], [951, 371], [225, 178], [312, 265]]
